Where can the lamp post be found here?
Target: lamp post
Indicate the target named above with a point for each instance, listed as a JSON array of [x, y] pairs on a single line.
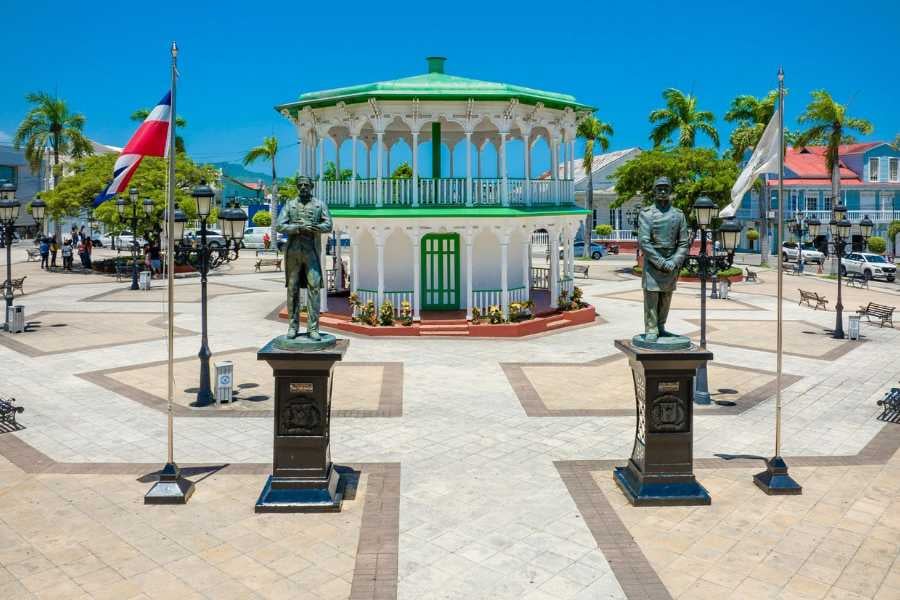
[[135, 247], [9, 212], [839, 226], [705, 211], [232, 222], [800, 227]]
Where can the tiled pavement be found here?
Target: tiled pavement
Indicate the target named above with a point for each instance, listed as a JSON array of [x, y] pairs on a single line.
[[483, 509]]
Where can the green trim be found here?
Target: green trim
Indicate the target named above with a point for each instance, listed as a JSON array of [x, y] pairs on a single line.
[[461, 212], [399, 292], [436, 150], [365, 290], [488, 290]]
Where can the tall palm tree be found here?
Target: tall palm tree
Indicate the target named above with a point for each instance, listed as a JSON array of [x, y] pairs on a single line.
[[268, 150], [51, 124], [681, 115], [142, 113], [752, 114], [593, 131], [828, 120]]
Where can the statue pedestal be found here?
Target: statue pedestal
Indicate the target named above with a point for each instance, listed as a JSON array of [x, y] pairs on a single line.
[[660, 470], [303, 477]]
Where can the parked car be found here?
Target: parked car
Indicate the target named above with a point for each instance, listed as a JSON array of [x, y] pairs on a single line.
[[790, 251], [870, 266], [122, 241], [598, 250], [214, 237], [253, 236]]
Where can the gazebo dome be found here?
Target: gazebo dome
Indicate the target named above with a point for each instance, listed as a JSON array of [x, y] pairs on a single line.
[[433, 85]]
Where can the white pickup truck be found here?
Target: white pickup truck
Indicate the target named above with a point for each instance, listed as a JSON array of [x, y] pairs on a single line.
[[790, 251]]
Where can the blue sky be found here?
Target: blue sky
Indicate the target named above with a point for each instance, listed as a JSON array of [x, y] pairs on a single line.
[[239, 59]]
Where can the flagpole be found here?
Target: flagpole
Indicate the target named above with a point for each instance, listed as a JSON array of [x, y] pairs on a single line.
[[775, 480], [171, 488]]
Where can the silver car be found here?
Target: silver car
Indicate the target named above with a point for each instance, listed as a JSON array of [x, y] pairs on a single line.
[[214, 237], [870, 266], [791, 251]]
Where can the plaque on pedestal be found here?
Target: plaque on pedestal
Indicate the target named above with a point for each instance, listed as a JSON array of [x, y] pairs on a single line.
[[660, 470], [303, 477]]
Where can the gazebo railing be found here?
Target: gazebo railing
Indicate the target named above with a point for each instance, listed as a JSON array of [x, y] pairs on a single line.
[[455, 191]]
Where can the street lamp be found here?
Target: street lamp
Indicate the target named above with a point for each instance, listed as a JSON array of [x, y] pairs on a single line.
[[9, 212], [231, 222], [839, 227], [705, 212], [135, 247]]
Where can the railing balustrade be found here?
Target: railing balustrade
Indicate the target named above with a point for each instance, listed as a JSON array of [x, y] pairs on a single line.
[[487, 192], [519, 294], [567, 284], [483, 299], [540, 278], [396, 299]]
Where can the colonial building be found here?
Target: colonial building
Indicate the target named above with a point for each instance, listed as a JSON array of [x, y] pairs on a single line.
[[870, 186], [441, 240]]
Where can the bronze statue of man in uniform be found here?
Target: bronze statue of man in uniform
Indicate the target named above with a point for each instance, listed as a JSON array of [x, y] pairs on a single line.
[[664, 239], [304, 220]]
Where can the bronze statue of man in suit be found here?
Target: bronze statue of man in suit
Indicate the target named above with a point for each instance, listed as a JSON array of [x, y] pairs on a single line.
[[664, 239], [304, 220]]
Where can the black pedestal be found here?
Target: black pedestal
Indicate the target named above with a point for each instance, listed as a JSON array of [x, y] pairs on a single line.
[[303, 477], [171, 488], [660, 470]]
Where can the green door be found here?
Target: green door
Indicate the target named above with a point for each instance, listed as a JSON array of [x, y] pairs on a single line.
[[440, 271]]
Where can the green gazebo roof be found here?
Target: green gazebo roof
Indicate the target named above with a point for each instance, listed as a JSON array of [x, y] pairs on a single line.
[[434, 85]]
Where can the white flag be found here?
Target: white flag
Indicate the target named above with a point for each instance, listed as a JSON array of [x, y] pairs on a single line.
[[763, 160]]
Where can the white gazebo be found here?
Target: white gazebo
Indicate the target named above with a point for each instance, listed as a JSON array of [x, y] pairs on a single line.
[[444, 240]]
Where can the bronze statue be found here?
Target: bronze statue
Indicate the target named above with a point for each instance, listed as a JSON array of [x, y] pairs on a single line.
[[304, 220], [664, 239]]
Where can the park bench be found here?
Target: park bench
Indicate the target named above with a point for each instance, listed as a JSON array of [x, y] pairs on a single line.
[[882, 312], [891, 404], [8, 410], [34, 254], [857, 280], [791, 268], [268, 262], [751, 276], [16, 284], [810, 297], [582, 270]]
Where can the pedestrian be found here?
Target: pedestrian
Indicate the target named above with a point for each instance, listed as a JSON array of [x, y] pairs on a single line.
[[67, 254], [155, 258], [266, 240], [45, 253], [81, 255], [88, 249], [54, 248]]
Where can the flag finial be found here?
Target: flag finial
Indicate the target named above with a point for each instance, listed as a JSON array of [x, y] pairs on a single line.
[[174, 50], [780, 73]]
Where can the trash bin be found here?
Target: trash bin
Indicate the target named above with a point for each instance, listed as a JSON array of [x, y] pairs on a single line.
[[854, 327], [16, 317], [224, 381], [144, 280]]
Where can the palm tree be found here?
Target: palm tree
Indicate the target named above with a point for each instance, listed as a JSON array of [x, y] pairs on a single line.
[[594, 131], [681, 115], [752, 114], [827, 121], [268, 150], [51, 124], [142, 113]]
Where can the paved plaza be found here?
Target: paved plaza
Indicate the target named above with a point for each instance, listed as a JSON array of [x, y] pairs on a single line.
[[478, 468]]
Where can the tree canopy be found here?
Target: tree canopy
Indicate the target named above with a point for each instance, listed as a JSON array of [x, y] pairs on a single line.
[[76, 193], [827, 121], [682, 115], [694, 172], [750, 115], [50, 124]]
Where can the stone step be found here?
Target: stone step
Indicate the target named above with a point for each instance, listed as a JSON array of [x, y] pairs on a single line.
[[559, 323], [444, 333], [445, 327]]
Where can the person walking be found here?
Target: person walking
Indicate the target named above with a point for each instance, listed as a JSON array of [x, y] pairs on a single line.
[[155, 258], [88, 249], [266, 240], [54, 249], [45, 253]]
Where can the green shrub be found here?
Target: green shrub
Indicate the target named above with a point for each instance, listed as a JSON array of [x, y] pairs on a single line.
[[877, 244], [603, 229], [262, 218], [386, 314], [752, 235]]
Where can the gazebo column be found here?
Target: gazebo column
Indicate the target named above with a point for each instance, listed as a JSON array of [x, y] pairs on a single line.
[[379, 246], [504, 273], [504, 186], [478, 161], [324, 292], [470, 293], [321, 148], [368, 161], [565, 159], [387, 157], [416, 237], [337, 159], [468, 168], [554, 266], [415, 173], [554, 171], [379, 169], [354, 262], [354, 186], [572, 159], [526, 142], [526, 270]]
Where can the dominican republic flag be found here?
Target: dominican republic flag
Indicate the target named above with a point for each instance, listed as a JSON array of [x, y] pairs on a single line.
[[151, 139]]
